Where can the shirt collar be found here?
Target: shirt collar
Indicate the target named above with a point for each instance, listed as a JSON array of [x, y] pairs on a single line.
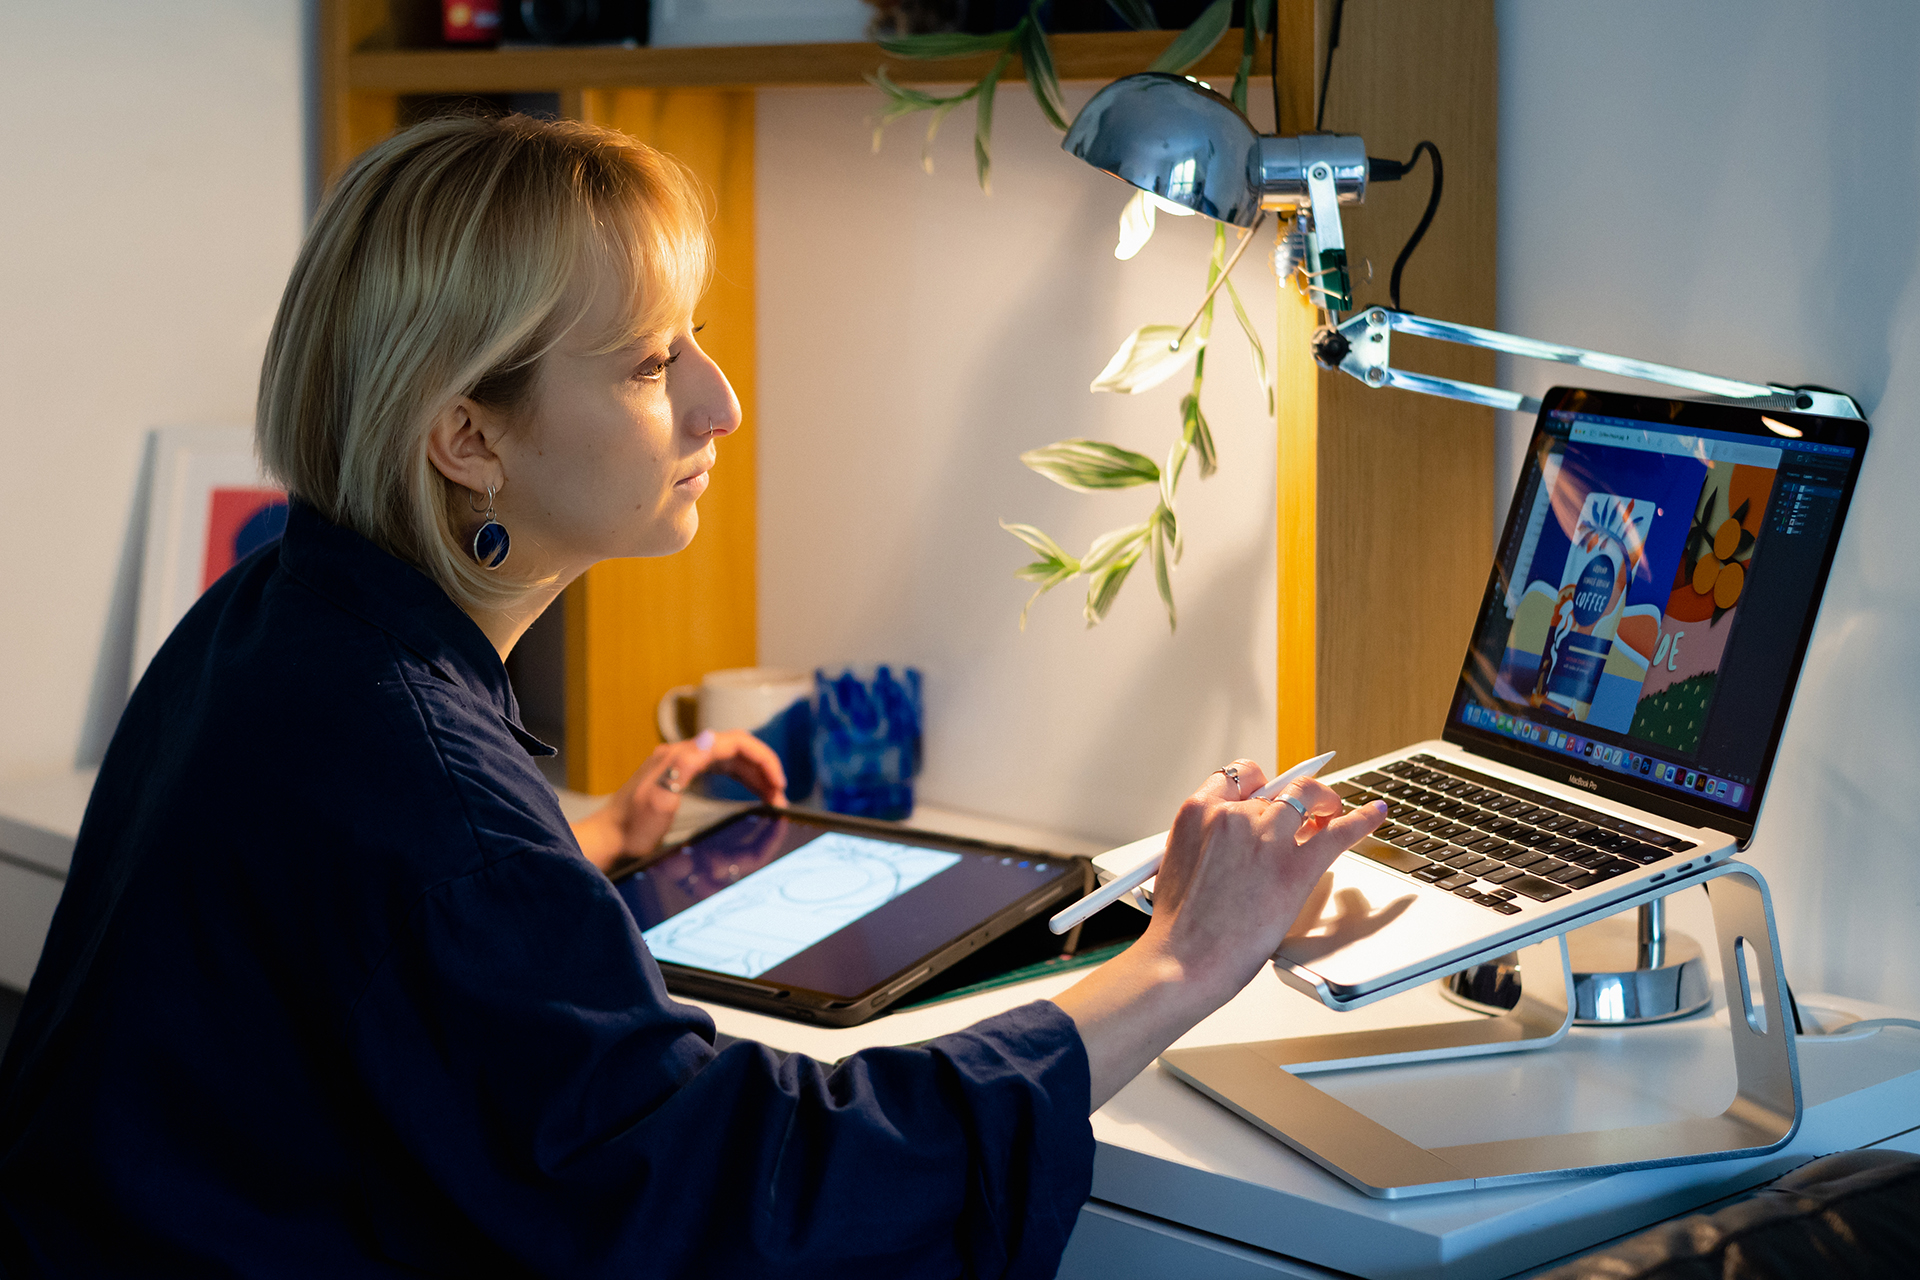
[[391, 594]]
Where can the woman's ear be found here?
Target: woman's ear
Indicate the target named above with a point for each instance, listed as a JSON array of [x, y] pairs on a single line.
[[459, 449]]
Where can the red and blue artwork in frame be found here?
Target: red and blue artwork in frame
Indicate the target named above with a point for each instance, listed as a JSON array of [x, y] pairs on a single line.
[[239, 522]]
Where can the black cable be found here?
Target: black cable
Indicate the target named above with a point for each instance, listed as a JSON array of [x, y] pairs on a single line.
[[1273, 59], [1426, 219], [1326, 75]]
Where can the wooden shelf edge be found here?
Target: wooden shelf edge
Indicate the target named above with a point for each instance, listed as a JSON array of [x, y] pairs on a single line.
[[1099, 55]]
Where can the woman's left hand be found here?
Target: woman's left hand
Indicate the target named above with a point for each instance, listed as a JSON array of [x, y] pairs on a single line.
[[636, 817]]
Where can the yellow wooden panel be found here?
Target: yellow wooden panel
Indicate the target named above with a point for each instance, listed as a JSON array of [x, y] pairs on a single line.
[[349, 121], [1297, 389], [1297, 516], [636, 628], [1406, 481]]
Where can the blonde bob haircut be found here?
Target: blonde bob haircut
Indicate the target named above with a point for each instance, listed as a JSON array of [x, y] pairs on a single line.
[[445, 263]]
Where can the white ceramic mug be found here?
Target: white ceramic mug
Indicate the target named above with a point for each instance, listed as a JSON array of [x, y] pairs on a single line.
[[735, 698], [772, 703]]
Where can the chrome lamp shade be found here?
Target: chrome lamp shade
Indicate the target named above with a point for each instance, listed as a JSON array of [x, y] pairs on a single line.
[[1173, 137], [1179, 140]]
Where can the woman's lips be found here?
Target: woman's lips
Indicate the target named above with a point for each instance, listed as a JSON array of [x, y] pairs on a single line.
[[695, 484]]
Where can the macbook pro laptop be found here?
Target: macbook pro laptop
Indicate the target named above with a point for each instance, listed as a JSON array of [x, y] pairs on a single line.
[[1624, 691]]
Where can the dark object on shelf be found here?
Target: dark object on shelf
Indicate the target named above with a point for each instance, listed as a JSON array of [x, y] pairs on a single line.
[[575, 21], [470, 22], [894, 18], [1854, 1214]]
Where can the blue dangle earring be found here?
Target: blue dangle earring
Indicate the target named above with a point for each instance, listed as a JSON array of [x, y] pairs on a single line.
[[491, 544]]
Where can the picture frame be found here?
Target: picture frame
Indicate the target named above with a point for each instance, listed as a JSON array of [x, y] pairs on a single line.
[[208, 506]]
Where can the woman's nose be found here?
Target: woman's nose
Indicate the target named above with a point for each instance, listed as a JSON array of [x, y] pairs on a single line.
[[714, 409]]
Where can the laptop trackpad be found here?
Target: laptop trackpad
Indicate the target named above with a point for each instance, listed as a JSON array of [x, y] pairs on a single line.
[[1362, 923]]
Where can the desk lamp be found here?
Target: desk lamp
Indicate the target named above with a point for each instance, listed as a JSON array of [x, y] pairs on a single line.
[[1175, 138]]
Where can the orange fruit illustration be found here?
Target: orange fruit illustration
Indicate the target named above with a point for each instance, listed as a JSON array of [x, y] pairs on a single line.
[[1727, 583], [1726, 539], [1704, 574]]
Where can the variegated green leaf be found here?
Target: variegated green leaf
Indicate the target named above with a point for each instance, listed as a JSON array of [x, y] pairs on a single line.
[[1037, 55], [1170, 474], [1161, 578], [1106, 581], [1197, 40], [1243, 70], [1254, 345], [944, 44], [933, 128], [1091, 465], [1053, 567], [1198, 434], [1137, 14], [1136, 225], [1113, 546], [1146, 359], [1040, 542], [983, 123]]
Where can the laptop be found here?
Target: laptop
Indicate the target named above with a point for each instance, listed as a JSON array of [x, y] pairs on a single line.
[[1620, 707]]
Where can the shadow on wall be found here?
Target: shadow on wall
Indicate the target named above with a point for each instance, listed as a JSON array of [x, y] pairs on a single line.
[[1870, 184], [1199, 692], [112, 669]]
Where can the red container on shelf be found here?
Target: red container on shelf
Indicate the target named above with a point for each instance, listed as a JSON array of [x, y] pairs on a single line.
[[470, 21]]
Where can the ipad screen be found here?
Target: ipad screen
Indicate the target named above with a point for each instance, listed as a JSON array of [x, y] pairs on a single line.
[[792, 903]]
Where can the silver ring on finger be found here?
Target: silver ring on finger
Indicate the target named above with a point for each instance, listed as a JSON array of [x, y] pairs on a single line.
[[1233, 775], [670, 780], [1294, 801]]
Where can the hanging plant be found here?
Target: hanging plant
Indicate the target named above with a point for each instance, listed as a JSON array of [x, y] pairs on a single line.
[[1150, 355]]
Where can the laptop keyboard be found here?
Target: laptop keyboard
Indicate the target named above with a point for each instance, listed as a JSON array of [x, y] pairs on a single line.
[[1491, 842]]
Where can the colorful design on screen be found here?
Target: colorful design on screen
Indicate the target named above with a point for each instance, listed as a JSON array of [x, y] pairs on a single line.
[[1707, 589], [239, 522], [1607, 533]]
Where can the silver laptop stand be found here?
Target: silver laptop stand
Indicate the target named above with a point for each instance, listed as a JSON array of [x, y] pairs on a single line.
[[1262, 1082]]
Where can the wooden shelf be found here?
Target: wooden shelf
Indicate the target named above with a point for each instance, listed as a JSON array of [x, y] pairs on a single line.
[[1099, 55]]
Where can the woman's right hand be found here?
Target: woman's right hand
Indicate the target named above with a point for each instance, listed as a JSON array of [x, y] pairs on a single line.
[[1236, 873]]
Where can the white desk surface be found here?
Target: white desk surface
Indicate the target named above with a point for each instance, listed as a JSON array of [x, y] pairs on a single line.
[[1169, 1153], [1166, 1152]]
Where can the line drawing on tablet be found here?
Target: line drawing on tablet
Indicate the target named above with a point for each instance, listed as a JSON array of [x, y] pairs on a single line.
[[785, 907]]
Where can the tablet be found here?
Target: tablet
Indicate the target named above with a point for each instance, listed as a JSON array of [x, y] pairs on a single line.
[[830, 919]]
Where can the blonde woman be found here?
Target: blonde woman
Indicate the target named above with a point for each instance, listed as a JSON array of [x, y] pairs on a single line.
[[334, 989]]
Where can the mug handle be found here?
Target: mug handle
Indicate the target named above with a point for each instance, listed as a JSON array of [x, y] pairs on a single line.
[[667, 715]]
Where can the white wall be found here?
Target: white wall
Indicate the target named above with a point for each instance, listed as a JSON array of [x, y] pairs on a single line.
[[153, 179], [1734, 186], [915, 337]]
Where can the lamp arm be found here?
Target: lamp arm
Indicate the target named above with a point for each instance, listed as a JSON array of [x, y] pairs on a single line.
[[1360, 348]]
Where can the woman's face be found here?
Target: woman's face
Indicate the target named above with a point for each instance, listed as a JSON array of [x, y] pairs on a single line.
[[610, 454]]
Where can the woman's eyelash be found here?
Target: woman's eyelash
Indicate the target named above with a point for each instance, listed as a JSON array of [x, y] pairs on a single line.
[[655, 368]]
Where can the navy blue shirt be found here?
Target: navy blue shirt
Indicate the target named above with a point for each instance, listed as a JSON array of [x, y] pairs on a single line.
[[332, 992]]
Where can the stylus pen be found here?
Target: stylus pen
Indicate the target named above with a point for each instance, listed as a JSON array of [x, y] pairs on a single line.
[[1110, 892]]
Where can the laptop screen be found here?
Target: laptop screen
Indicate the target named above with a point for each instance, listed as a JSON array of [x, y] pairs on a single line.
[[1652, 598]]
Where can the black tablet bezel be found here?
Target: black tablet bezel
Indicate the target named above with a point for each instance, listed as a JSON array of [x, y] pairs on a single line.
[[837, 1010], [1708, 415]]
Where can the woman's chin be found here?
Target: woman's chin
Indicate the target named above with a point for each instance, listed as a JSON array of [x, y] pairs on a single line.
[[677, 535]]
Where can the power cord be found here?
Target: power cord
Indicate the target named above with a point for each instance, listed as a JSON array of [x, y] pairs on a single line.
[[1326, 74], [1379, 170], [1273, 61], [1859, 1029]]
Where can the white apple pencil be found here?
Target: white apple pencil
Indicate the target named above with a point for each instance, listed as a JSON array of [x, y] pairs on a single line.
[[1110, 892]]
